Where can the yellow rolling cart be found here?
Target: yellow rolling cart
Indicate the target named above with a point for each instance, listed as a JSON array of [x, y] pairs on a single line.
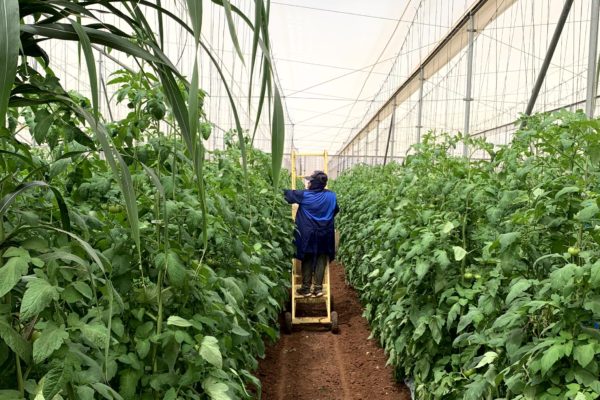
[[327, 318]]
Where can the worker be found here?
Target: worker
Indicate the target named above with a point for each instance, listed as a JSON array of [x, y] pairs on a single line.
[[314, 235]]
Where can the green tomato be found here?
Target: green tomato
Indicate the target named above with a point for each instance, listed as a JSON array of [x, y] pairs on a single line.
[[156, 109], [574, 251], [115, 208], [477, 276], [35, 335], [205, 129], [468, 275], [469, 372]]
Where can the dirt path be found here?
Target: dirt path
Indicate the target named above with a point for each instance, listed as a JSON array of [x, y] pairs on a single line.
[[317, 365]]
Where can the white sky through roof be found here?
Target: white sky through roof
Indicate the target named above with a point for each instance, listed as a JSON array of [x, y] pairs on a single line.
[[339, 61], [323, 59]]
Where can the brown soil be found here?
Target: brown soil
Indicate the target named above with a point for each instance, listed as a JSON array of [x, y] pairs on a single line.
[[318, 365]]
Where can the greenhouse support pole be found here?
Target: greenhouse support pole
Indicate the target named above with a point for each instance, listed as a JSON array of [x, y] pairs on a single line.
[[376, 144], [420, 107], [468, 98], [293, 168], [551, 48], [393, 139], [590, 102], [390, 133]]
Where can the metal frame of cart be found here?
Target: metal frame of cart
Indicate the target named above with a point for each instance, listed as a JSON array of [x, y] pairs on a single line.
[[330, 319]]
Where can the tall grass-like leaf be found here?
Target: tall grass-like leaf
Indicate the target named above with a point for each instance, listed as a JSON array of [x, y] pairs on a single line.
[[261, 98], [21, 157], [277, 137], [62, 206], [84, 245], [197, 151], [258, 15], [161, 28], [171, 89], [236, 116], [232, 32], [86, 46], [155, 180], [9, 52], [236, 11], [193, 104], [67, 32], [177, 104], [195, 9], [120, 171]]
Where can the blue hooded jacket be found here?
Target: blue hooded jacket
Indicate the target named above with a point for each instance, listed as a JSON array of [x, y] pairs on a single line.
[[315, 230]]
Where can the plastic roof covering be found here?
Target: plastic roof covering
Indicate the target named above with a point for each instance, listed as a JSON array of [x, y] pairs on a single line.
[[508, 54], [339, 61], [180, 48], [331, 60]]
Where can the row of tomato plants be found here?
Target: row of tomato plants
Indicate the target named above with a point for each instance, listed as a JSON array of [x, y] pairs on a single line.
[[481, 278], [87, 314]]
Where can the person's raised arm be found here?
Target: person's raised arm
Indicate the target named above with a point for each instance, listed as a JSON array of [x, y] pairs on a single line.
[[293, 196]]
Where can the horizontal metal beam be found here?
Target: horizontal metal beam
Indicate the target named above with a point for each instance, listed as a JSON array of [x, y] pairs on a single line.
[[451, 45]]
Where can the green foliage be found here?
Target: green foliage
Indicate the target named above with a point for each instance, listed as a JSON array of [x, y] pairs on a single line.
[[464, 266], [87, 314]]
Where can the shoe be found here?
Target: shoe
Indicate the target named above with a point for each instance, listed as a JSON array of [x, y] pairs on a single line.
[[304, 292], [317, 292]]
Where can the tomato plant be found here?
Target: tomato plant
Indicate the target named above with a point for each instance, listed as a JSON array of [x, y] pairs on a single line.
[[84, 312], [481, 278]]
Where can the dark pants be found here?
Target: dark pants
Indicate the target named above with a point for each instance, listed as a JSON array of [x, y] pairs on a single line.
[[313, 264]]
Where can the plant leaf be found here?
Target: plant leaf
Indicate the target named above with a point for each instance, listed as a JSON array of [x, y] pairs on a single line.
[[506, 239], [15, 341], [215, 389], [231, 25], [565, 190], [459, 253], [39, 294], [209, 350], [9, 52], [50, 340], [9, 198], [595, 275], [517, 289], [195, 10], [86, 46], [584, 354], [587, 213], [67, 32], [550, 357], [11, 273], [178, 321], [43, 122], [54, 381], [487, 358], [277, 137]]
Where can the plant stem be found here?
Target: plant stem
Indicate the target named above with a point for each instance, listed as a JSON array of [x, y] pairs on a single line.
[[159, 317], [20, 384]]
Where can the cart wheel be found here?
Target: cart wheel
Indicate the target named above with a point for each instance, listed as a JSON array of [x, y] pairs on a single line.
[[334, 322], [287, 327]]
